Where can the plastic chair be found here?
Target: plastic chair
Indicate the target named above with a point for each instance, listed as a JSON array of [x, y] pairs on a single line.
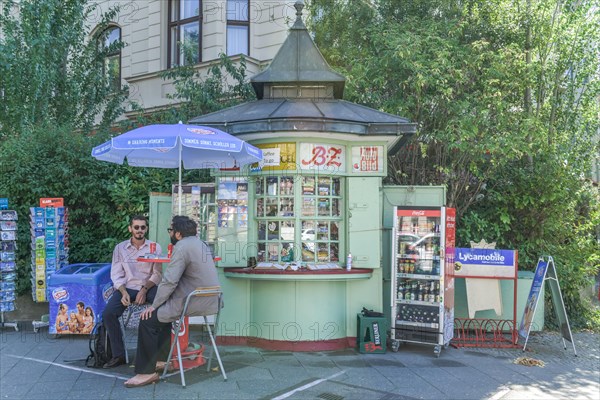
[[202, 292]]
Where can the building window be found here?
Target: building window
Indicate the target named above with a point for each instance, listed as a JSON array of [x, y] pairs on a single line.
[[299, 219], [110, 40], [238, 27], [185, 31]]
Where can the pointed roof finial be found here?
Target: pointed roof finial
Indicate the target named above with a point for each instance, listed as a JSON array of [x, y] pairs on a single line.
[[298, 62], [299, 6]]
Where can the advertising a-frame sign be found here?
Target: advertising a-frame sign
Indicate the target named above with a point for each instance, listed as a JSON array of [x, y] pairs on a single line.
[[546, 272]]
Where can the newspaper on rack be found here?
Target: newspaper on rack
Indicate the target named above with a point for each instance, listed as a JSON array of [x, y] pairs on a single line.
[[320, 267], [296, 266]]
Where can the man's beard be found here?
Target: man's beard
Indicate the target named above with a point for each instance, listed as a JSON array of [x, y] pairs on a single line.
[[174, 240]]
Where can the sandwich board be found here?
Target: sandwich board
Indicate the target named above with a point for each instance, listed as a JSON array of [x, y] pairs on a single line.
[[546, 271]]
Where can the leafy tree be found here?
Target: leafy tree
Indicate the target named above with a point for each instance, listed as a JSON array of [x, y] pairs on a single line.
[[429, 63], [53, 91], [50, 71], [506, 97]]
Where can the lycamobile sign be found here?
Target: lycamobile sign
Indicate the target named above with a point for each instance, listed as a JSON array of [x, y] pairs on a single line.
[[485, 257]]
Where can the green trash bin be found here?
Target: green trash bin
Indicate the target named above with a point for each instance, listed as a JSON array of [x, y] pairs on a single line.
[[371, 335]]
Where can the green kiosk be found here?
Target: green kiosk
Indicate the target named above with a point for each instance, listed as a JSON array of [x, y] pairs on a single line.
[[302, 238]]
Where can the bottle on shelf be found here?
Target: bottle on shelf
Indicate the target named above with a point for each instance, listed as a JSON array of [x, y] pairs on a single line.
[[400, 292]]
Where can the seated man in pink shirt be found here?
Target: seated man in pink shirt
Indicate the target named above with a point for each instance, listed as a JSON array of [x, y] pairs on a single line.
[[134, 281]]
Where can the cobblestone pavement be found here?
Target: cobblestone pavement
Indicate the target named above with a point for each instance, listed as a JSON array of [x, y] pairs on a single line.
[[34, 365]]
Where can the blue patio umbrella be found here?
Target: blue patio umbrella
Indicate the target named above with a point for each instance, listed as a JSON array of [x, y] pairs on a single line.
[[168, 146]]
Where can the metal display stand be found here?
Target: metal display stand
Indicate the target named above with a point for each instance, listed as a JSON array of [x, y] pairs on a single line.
[[8, 324], [545, 271], [199, 203], [8, 248], [50, 244], [39, 324]]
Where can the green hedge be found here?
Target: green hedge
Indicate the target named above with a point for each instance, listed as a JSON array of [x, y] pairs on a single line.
[[100, 196]]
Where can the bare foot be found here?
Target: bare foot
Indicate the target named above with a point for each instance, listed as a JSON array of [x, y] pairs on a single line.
[[160, 367], [142, 380]]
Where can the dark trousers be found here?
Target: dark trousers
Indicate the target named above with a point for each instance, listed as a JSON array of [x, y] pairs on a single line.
[[154, 341], [113, 310]]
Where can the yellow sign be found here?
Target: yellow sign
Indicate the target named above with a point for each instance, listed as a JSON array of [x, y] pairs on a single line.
[[277, 157], [40, 294]]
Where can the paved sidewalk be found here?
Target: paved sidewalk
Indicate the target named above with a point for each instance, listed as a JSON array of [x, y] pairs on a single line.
[[35, 366]]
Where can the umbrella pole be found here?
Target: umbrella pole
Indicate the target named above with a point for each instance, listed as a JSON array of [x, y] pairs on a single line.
[[180, 189]]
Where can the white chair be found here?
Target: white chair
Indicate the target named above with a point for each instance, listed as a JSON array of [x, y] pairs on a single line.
[[212, 333]]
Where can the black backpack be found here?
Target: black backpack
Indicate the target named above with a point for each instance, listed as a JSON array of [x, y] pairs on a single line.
[[100, 352]]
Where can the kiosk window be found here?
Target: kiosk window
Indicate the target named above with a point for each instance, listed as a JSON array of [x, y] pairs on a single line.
[[298, 219]]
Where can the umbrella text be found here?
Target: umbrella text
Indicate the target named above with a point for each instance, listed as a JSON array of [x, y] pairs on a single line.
[[209, 143], [146, 141]]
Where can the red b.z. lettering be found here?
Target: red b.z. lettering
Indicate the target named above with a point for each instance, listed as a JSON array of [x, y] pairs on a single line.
[[334, 157], [318, 157]]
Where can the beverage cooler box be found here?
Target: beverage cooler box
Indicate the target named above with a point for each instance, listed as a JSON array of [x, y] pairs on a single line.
[[88, 284], [423, 277]]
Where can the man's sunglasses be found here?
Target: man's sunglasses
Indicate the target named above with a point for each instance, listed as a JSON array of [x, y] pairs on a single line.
[[140, 227]]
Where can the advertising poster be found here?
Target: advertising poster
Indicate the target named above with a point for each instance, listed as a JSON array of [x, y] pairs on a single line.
[[418, 213], [449, 240], [367, 159], [277, 157], [76, 308], [52, 202], [271, 158], [322, 157], [546, 270], [227, 191], [484, 263], [533, 298], [492, 264], [232, 201]]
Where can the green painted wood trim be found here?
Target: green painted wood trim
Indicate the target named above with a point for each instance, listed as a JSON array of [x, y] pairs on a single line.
[[363, 222], [281, 277], [160, 219]]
